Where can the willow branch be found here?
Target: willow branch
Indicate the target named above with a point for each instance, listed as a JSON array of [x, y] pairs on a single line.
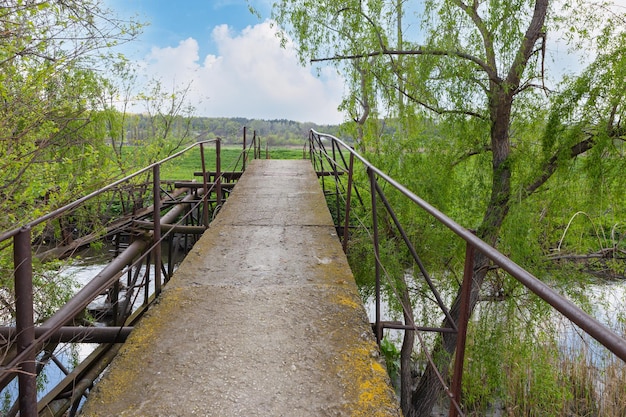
[[551, 165], [435, 52], [471, 153], [472, 12]]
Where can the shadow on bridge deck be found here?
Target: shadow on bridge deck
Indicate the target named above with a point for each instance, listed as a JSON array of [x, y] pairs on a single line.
[[262, 318]]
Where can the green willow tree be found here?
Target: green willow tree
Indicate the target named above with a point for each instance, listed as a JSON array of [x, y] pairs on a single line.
[[475, 66]]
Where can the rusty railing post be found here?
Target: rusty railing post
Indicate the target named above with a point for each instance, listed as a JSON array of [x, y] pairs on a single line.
[[24, 317], [156, 191], [254, 141], [378, 324], [205, 206], [464, 313], [336, 175], [218, 172], [245, 154], [346, 223]]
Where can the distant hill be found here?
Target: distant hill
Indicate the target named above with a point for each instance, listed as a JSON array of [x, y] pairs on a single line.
[[142, 127], [273, 132]]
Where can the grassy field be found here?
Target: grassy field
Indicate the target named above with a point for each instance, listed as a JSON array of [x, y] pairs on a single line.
[[182, 168]]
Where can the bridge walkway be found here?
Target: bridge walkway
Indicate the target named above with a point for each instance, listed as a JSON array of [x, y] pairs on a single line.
[[262, 318]]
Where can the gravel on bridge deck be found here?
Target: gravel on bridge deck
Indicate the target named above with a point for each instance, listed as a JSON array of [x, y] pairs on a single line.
[[262, 318]]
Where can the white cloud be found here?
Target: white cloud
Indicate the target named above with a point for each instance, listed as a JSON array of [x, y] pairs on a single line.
[[251, 76]]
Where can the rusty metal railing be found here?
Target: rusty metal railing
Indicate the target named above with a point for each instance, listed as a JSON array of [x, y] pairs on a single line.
[[328, 156], [26, 339]]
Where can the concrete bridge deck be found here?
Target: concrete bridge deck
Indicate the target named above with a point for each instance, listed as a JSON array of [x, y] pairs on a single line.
[[262, 318]]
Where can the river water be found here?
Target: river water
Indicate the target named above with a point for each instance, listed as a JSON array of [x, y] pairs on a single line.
[[80, 271]]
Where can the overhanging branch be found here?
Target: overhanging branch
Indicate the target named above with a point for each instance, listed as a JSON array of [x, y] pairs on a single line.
[[389, 52], [552, 164]]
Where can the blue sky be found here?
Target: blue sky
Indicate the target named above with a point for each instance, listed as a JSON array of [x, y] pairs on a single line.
[[171, 21], [231, 60]]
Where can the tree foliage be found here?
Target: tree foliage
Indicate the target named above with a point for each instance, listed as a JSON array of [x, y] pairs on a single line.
[[49, 89]]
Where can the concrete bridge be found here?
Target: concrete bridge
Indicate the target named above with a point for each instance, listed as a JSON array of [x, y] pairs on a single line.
[[262, 318]]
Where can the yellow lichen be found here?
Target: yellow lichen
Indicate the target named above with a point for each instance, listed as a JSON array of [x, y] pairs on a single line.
[[367, 382], [346, 301]]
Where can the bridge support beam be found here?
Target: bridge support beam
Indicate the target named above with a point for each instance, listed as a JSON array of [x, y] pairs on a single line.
[[73, 334]]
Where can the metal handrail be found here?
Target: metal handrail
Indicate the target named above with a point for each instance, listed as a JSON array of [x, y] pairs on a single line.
[[597, 330], [70, 206]]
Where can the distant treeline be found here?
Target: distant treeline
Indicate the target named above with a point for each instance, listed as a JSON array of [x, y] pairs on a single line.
[[230, 130]]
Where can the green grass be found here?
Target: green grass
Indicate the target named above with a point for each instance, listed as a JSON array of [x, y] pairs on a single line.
[[182, 168]]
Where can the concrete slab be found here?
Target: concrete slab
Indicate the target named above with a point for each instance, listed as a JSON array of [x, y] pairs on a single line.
[[263, 318]]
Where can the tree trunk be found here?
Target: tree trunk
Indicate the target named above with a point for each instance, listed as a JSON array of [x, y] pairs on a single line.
[[429, 388]]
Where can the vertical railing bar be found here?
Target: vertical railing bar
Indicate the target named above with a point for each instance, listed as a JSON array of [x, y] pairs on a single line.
[[321, 157], [254, 141], [115, 303], [378, 326], [205, 185], [171, 254], [346, 223], [464, 314], [25, 328], [313, 151], [129, 275], [218, 173], [351, 151], [245, 155], [306, 148], [156, 237], [336, 175], [146, 291]]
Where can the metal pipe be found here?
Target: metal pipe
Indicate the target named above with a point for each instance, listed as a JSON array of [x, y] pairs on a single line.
[[379, 328], [205, 207], [464, 315], [156, 233], [74, 334], [402, 326], [27, 377], [245, 155], [173, 228], [218, 173]]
